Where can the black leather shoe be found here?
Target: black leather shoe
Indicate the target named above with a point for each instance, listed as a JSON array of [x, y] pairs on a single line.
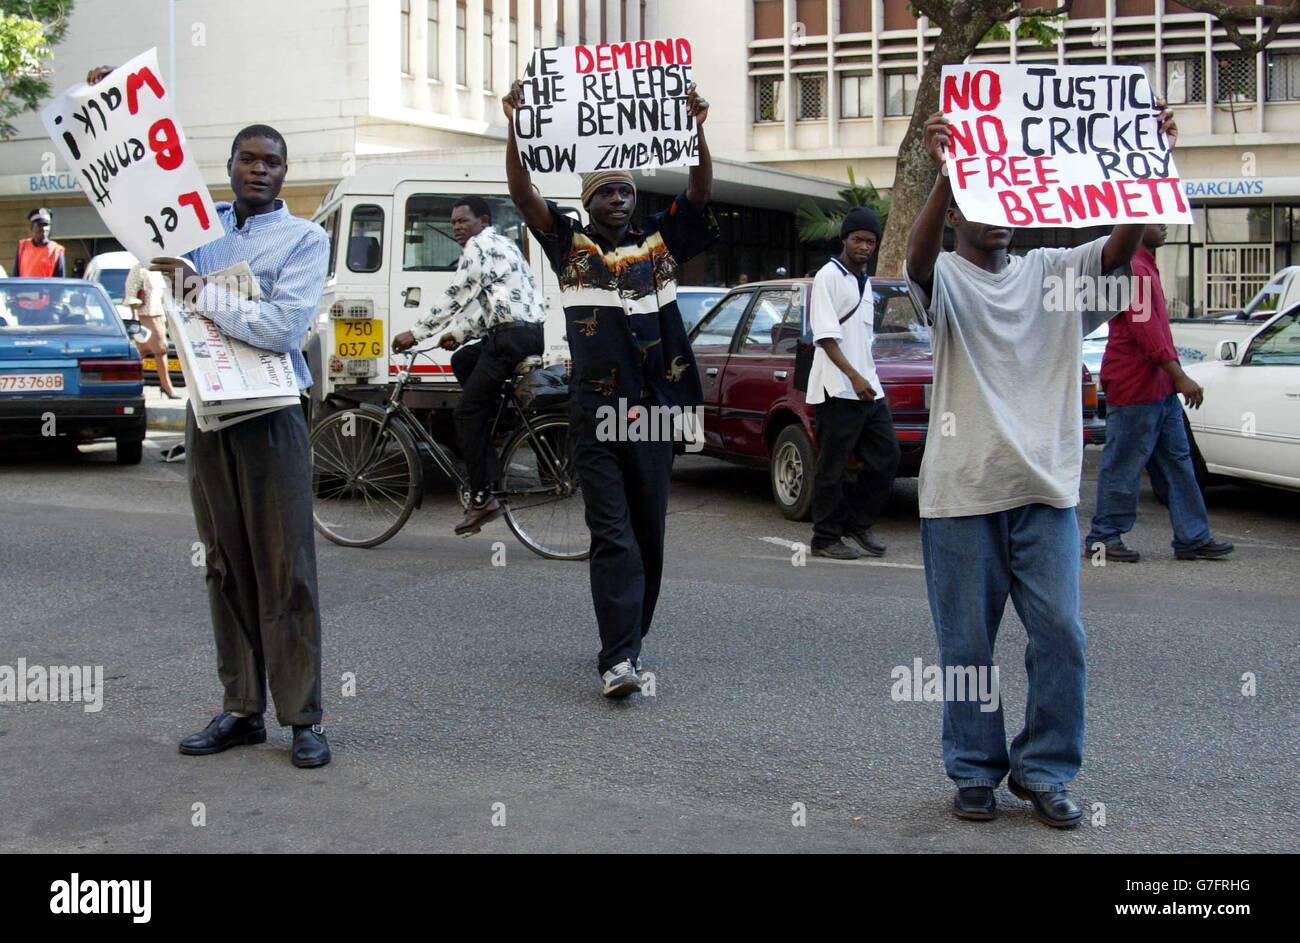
[[975, 803], [1211, 550], [1057, 809], [225, 731], [867, 541], [309, 746], [1113, 553]]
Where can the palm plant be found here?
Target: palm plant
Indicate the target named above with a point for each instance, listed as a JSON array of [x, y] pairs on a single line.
[[820, 225]]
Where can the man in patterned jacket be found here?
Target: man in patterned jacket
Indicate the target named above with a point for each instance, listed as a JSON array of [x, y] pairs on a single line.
[[618, 284], [493, 297]]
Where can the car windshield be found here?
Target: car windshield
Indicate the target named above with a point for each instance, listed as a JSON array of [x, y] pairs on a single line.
[[29, 306], [897, 320], [1278, 344], [114, 282], [694, 305]]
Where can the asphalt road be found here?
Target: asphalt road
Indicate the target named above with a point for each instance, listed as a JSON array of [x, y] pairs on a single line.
[[476, 685]]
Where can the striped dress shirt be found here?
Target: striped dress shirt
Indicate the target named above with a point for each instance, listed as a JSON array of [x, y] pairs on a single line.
[[290, 258]]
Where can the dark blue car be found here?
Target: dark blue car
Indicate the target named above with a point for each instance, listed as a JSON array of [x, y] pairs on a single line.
[[68, 368]]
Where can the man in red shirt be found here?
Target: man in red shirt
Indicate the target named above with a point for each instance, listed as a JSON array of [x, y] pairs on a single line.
[[40, 256], [1142, 378]]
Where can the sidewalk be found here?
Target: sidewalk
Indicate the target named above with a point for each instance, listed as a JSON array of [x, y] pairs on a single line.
[[166, 415]]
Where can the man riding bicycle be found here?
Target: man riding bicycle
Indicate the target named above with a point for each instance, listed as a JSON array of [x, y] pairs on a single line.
[[493, 297]]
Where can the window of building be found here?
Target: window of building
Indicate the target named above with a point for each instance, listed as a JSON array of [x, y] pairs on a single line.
[[769, 99], [366, 239], [768, 15], [427, 243], [487, 50], [514, 50], [900, 93], [1234, 78], [1185, 80], [431, 40], [460, 44], [857, 92], [1282, 77], [404, 37], [812, 97]]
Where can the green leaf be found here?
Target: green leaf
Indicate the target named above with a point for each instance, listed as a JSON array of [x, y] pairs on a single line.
[[820, 225]]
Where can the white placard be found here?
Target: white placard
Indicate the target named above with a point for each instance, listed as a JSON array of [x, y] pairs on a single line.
[[1046, 145], [612, 106], [124, 145]]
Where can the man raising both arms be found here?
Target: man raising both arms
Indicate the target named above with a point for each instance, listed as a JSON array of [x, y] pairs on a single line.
[[618, 281], [999, 484]]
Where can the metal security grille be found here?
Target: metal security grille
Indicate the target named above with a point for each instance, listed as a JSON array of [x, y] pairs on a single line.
[[768, 105], [1235, 78], [1235, 274], [812, 96]]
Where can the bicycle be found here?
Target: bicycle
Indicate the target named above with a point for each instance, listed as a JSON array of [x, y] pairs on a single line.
[[368, 476]]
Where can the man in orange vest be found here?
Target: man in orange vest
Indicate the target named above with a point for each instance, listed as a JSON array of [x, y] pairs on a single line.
[[39, 256]]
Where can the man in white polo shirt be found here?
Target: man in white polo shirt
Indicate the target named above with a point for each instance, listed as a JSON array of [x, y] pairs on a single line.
[[853, 418]]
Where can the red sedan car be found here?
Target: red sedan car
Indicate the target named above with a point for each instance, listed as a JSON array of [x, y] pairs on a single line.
[[745, 349]]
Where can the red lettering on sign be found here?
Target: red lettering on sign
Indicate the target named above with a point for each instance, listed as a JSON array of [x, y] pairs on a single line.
[[1017, 215], [134, 82], [195, 202], [972, 84], [165, 143]]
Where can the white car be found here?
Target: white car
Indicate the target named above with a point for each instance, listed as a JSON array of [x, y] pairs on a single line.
[[1248, 428], [110, 269]]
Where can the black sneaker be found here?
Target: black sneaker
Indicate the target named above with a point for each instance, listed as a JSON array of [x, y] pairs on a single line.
[[836, 551], [1116, 552], [1210, 550], [867, 541]]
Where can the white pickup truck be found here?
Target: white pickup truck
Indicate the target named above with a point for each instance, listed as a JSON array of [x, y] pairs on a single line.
[[1197, 339], [391, 257]]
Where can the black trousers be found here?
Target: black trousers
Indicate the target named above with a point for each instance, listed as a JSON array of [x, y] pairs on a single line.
[[625, 491], [847, 429], [250, 485], [481, 369]]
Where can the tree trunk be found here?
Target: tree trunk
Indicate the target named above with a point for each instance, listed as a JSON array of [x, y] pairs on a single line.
[[914, 175]]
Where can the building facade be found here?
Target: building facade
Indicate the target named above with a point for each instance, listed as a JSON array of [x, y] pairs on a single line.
[[355, 81], [831, 84]]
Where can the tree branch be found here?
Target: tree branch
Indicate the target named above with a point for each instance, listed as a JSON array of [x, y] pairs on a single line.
[[1232, 15], [1018, 10]]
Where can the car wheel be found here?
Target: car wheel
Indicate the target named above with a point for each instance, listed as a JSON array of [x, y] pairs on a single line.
[[793, 465], [130, 451]]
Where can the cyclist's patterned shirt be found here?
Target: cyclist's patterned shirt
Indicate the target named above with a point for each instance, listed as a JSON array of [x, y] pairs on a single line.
[[493, 286], [625, 333]]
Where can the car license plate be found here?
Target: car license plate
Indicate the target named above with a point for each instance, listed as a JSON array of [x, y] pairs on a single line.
[[363, 339], [173, 365], [31, 382]]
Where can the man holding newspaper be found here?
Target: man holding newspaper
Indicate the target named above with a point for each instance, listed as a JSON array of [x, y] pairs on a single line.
[[250, 479]]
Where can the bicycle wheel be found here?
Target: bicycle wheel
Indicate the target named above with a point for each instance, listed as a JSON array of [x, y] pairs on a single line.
[[543, 499], [366, 477]]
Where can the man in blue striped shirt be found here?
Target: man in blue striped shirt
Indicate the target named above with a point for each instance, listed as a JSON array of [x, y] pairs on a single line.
[[250, 483]]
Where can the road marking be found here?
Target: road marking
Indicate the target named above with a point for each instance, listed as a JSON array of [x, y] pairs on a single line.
[[791, 545]]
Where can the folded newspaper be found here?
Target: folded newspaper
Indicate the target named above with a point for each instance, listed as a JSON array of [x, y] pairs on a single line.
[[228, 380]]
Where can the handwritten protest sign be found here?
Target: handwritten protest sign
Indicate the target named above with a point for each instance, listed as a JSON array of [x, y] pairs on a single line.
[[122, 141], [1070, 146], [607, 107]]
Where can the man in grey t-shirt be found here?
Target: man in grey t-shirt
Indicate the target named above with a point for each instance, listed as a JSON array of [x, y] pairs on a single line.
[[999, 483]]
